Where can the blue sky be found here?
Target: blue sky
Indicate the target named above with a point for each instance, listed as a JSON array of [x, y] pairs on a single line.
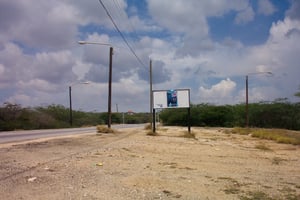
[[207, 46]]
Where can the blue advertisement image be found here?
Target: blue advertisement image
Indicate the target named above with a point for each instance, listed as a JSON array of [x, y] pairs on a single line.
[[172, 98]]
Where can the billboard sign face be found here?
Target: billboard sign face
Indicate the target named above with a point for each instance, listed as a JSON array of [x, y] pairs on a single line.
[[178, 98]]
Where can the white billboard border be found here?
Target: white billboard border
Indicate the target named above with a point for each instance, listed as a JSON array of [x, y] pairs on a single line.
[[189, 107], [156, 107]]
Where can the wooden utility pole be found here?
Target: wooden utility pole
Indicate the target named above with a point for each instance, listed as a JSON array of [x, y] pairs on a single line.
[[247, 114], [151, 97], [109, 87]]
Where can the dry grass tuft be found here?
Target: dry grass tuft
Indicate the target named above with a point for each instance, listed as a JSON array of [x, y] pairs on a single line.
[[256, 195], [278, 135], [187, 134], [104, 129], [241, 131], [263, 147], [151, 133]]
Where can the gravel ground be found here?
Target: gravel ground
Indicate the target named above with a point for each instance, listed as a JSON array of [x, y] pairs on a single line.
[[132, 165]]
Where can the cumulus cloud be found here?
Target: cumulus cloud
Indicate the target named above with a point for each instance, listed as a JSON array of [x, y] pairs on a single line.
[[245, 16], [55, 67], [15, 64], [2, 69], [192, 17], [220, 92], [38, 85], [265, 7], [293, 12], [17, 98], [160, 72], [43, 25], [38, 50]]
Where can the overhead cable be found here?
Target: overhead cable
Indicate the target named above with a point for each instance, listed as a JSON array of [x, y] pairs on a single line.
[[121, 34]]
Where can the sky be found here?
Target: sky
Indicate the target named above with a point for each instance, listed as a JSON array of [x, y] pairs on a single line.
[[207, 46]]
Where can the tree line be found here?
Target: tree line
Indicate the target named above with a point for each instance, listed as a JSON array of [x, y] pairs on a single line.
[[15, 117], [276, 114]]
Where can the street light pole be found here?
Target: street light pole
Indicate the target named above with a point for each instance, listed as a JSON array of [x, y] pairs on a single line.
[[109, 77], [247, 108]]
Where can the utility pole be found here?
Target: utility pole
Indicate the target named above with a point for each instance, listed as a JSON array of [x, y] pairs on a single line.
[[247, 116], [151, 97], [109, 86], [70, 98]]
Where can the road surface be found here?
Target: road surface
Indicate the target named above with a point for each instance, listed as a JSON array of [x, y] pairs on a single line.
[[18, 136]]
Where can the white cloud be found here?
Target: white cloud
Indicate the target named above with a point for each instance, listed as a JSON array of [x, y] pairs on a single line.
[[43, 25], [220, 92], [38, 50], [192, 17], [55, 67], [245, 16], [265, 7], [23, 99], [38, 85], [15, 64], [2, 68], [293, 12]]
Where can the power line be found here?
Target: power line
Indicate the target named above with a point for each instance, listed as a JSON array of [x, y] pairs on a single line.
[[123, 37], [118, 6]]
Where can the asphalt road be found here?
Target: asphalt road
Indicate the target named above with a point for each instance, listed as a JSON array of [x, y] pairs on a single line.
[[18, 136]]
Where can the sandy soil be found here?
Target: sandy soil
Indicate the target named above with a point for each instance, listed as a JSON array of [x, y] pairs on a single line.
[[132, 165]]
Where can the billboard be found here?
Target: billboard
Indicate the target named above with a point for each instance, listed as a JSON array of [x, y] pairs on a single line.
[[178, 98]]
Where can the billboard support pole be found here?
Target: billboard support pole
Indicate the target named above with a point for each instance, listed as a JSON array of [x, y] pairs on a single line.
[[189, 119], [153, 120], [151, 95]]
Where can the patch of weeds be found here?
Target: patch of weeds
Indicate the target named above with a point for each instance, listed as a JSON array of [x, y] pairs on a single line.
[[277, 160], [257, 195], [263, 147], [289, 193], [104, 129], [169, 193], [172, 165], [241, 131], [286, 140], [187, 168], [278, 135], [187, 134], [151, 133], [97, 154], [233, 187], [126, 149], [162, 129], [292, 197], [232, 190]]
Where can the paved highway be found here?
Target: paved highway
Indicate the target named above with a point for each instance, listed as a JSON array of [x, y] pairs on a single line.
[[18, 136]]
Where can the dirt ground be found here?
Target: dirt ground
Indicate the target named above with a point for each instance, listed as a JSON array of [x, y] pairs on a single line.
[[132, 165]]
